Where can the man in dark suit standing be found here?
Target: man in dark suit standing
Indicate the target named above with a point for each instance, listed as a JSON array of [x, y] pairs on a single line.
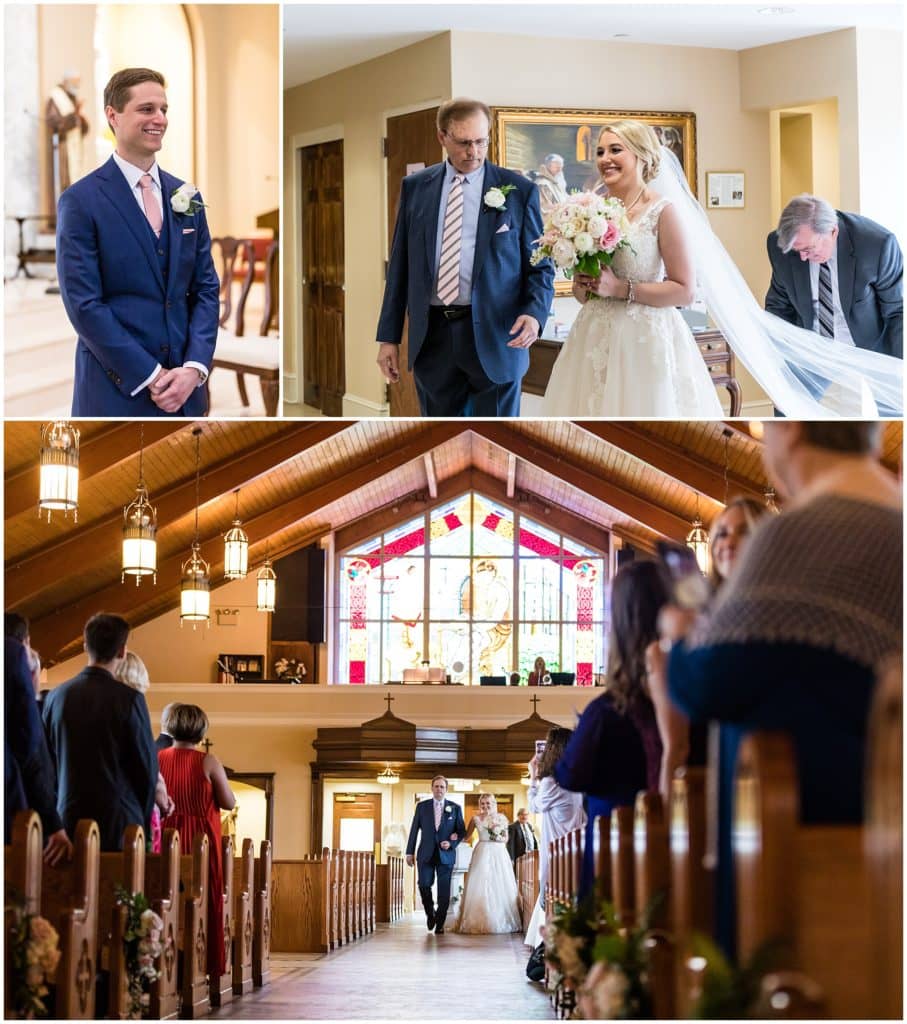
[[164, 740], [521, 836], [442, 827], [100, 737], [837, 274], [460, 268], [135, 269]]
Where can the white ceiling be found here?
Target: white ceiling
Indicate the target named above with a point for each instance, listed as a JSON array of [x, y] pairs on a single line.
[[322, 38]]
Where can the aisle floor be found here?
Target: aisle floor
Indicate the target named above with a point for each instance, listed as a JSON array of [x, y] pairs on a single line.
[[400, 972]]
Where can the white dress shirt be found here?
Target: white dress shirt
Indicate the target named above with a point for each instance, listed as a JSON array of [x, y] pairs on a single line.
[[133, 176], [842, 331]]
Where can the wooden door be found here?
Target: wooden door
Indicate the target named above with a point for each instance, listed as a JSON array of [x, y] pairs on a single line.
[[356, 807], [412, 142], [323, 274]]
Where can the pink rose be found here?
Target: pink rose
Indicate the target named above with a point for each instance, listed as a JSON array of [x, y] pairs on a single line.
[[611, 238]]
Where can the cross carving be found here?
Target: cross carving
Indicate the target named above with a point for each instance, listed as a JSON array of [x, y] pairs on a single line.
[[389, 698], [534, 701], [207, 744]]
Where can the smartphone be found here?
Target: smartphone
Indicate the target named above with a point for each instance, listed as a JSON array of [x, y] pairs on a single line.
[[540, 747], [689, 588]]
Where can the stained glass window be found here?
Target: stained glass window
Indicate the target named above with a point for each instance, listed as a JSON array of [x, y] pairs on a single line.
[[475, 589]]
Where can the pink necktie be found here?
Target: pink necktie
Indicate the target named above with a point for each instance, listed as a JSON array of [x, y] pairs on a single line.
[[437, 816], [449, 264], [152, 210]]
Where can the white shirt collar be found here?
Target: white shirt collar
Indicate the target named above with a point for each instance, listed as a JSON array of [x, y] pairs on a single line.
[[134, 174]]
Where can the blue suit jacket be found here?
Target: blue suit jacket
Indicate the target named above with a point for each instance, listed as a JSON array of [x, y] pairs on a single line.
[[127, 316], [424, 821], [870, 272], [504, 284]]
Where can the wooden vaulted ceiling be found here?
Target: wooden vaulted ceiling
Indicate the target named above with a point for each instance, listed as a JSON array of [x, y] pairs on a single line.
[[299, 481]]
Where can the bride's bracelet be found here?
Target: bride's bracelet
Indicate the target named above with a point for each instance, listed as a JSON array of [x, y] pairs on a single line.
[[631, 293]]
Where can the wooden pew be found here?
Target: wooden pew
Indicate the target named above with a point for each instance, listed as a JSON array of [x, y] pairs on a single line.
[[244, 887], [884, 841], [261, 937], [343, 881], [22, 883], [527, 873], [372, 894], [69, 900], [601, 846], [162, 887], [389, 890], [652, 883], [194, 992], [301, 894], [623, 885], [804, 884], [222, 988], [692, 882], [332, 872], [126, 869]]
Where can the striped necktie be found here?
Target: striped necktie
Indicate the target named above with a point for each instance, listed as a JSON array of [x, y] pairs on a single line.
[[449, 264], [826, 303]]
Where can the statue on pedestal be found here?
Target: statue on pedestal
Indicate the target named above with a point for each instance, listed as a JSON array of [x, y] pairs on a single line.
[[66, 128]]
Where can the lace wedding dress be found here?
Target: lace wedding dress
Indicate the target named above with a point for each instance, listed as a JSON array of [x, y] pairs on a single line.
[[629, 359], [489, 904]]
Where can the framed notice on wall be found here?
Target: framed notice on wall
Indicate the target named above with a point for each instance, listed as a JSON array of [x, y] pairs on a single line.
[[725, 190]]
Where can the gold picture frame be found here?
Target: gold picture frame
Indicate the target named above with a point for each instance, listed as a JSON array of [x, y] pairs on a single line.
[[522, 136]]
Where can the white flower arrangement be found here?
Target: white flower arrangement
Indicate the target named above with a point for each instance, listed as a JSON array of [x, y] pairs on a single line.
[[183, 200], [583, 233], [497, 828], [496, 198]]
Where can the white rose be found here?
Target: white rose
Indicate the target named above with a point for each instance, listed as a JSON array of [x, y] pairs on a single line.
[[562, 215], [584, 242], [495, 198], [563, 253], [570, 228], [188, 188], [597, 225], [180, 202]]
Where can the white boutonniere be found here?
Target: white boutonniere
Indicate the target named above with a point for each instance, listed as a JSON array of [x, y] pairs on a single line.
[[447, 809], [496, 198], [183, 200]]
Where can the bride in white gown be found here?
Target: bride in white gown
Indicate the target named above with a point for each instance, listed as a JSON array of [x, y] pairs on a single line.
[[489, 904], [630, 352]]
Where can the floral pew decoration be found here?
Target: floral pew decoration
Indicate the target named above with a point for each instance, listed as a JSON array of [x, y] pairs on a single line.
[[33, 954], [142, 942]]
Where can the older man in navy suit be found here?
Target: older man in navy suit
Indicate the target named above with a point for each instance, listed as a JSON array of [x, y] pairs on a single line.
[[441, 823], [460, 267], [135, 270]]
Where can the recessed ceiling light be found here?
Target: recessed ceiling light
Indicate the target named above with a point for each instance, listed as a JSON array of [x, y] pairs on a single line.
[[775, 10], [621, 35]]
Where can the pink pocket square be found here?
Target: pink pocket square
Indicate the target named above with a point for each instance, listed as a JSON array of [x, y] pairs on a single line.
[[502, 229], [188, 231]]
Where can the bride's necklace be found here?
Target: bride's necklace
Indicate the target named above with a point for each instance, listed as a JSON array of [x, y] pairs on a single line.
[[642, 192]]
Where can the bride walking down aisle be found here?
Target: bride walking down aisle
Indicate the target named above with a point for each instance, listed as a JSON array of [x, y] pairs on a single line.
[[490, 904]]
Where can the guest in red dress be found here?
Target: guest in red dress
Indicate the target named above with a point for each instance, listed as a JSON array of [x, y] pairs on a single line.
[[198, 785]]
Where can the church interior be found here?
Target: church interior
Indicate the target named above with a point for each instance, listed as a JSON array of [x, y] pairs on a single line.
[[394, 583], [789, 99], [221, 65]]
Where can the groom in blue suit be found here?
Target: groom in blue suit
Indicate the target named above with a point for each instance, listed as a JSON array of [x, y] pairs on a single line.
[[442, 827], [135, 270], [460, 267]]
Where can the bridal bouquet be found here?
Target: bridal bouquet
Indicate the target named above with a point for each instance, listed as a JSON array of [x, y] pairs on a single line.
[[583, 233], [497, 828]]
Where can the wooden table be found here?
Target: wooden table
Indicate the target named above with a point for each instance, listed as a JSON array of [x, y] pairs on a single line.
[[714, 349]]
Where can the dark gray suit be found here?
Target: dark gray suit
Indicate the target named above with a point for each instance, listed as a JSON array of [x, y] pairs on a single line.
[[870, 271], [100, 737]]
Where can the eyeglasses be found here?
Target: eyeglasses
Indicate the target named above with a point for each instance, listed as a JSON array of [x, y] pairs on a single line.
[[467, 143]]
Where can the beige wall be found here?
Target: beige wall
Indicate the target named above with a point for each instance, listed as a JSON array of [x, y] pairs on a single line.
[[796, 154], [353, 104]]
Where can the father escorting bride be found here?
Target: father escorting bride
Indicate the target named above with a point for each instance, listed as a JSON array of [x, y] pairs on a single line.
[[442, 827]]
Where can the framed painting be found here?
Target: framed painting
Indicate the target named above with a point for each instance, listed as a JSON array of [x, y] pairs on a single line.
[[556, 148]]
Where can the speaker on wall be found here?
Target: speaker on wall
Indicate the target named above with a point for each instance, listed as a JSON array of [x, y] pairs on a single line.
[[299, 612]]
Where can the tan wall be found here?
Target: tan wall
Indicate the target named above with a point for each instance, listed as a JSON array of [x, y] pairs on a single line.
[[796, 154], [357, 101]]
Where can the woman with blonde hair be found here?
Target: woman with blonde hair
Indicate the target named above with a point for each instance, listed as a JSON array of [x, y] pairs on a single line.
[[630, 353], [133, 673], [490, 903]]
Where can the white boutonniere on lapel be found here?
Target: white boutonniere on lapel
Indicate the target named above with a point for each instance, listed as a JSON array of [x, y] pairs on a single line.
[[447, 809], [183, 200], [496, 198]]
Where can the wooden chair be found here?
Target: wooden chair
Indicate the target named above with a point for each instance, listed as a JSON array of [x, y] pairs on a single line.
[[884, 840], [806, 885], [261, 938], [230, 250], [258, 355], [244, 887], [195, 997], [125, 868], [162, 887]]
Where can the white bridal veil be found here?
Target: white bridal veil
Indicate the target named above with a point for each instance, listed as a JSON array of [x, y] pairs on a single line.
[[806, 375]]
